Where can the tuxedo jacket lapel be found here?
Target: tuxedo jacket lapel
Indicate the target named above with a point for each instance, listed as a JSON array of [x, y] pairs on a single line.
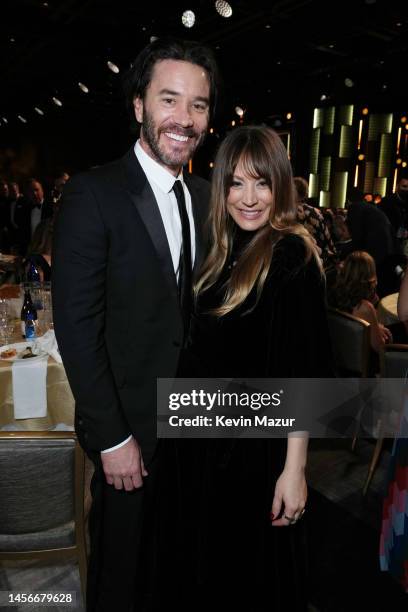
[[143, 198]]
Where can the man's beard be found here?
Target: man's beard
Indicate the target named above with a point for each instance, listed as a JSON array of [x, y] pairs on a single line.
[[152, 137]]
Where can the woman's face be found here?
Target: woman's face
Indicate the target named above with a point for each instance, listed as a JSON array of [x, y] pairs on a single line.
[[249, 200]]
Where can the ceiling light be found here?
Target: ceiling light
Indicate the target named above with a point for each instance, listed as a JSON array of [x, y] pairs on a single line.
[[5, 120], [323, 97], [112, 67], [361, 156], [57, 101], [211, 130], [83, 88], [38, 110], [240, 111], [188, 19], [223, 8], [404, 164], [22, 119], [365, 111], [288, 116], [348, 82], [153, 38], [403, 119], [233, 123], [399, 161]]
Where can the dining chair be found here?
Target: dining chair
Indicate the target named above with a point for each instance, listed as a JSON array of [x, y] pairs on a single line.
[[350, 337], [42, 498], [393, 364]]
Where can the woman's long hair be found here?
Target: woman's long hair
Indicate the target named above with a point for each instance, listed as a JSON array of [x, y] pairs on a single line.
[[262, 154], [356, 281]]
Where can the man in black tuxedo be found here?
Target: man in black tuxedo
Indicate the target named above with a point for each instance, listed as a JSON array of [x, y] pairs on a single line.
[[125, 241], [20, 219]]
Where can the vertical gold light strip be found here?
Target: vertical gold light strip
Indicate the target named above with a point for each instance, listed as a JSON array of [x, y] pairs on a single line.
[[313, 185], [399, 140], [190, 166], [288, 145], [360, 131], [394, 184], [356, 176]]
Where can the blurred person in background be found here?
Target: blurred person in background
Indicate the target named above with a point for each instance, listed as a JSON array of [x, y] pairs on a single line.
[[41, 208], [39, 251], [355, 292], [395, 207], [372, 231], [20, 220], [312, 219], [4, 217]]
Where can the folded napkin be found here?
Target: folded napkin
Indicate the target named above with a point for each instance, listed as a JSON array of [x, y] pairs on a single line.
[[30, 388], [47, 344]]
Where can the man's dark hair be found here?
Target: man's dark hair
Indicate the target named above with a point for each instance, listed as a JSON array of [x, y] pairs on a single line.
[[140, 73]]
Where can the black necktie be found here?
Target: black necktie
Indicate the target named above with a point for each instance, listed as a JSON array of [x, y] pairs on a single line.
[[185, 266]]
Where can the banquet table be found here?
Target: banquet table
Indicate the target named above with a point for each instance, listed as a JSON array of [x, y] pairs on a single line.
[[60, 402], [387, 309]]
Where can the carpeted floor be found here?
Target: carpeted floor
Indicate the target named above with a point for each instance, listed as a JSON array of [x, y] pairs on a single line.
[[343, 538]]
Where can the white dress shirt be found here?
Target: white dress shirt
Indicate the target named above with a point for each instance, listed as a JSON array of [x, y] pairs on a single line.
[[161, 181], [35, 217]]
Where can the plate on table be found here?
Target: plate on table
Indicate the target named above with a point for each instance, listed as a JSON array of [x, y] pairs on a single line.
[[17, 351]]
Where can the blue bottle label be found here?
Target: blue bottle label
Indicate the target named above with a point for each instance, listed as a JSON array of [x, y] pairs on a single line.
[[29, 330]]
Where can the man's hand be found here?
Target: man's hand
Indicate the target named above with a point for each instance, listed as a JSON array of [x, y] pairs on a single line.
[[124, 467]]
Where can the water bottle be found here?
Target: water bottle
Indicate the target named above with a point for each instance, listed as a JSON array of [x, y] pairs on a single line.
[[27, 309], [33, 275], [30, 332]]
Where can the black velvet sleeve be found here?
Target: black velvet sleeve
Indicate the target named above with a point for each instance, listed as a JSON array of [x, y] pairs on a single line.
[[299, 344]]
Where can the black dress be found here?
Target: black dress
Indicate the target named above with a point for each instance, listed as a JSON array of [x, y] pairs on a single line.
[[226, 548]]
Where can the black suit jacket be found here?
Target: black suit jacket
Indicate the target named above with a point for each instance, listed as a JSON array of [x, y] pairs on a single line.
[[116, 310]]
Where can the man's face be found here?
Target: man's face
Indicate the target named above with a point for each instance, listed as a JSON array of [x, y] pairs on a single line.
[[60, 181], [14, 190], [403, 189], [174, 112], [36, 192], [4, 190]]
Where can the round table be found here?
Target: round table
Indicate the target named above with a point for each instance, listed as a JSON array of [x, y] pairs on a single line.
[[387, 309]]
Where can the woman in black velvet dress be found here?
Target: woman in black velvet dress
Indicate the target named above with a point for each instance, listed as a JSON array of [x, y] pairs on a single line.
[[260, 312]]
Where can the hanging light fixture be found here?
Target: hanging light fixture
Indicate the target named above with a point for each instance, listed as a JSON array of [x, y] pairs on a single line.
[[188, 19], [223, 8], [83, 87], [38, 110], [22, 119], [113, 67], [57, 101]]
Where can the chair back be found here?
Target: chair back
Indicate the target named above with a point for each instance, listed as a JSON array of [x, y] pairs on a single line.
[[41, 490], [350, 338], [394, 361]]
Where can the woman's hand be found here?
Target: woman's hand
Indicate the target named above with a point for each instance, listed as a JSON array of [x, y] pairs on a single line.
[[290, 497], [385, 333]]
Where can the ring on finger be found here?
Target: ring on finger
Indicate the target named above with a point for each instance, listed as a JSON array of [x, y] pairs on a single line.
[[292, 519]]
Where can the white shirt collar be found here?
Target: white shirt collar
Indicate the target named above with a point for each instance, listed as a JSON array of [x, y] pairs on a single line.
[[155, 172]]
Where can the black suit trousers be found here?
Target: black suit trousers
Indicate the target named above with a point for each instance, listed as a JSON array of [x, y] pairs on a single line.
[[122, 531]]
